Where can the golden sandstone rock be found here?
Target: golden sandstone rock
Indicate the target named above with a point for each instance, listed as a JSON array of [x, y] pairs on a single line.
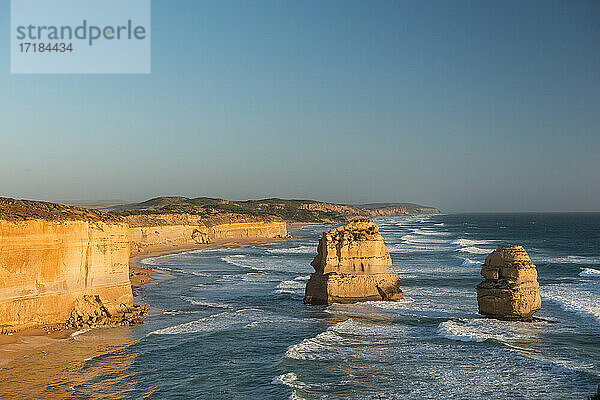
[[53, 257], [351, 265], [510, 289], [154, 232]]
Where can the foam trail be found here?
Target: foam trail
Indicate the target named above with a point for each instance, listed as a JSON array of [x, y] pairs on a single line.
[[206, 303], [293, 286], [471, 263], [568, 260], [232, 260], [590, 272], [294, 250], [217, 322], [574, 298], [474, 250]]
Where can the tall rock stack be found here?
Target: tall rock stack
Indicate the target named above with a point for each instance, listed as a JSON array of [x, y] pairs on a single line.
[[352, 265], [510, 290]]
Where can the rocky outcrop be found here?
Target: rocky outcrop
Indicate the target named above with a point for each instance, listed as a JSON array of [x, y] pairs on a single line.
[[352, 265], [510, 290], [92, 310], [53, 256], [161, 232]]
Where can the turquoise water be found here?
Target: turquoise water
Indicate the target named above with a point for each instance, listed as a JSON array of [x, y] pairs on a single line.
[[230, 323]]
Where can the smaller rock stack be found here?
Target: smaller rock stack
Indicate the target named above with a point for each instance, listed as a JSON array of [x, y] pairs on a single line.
[[351, 265], [510, 290]]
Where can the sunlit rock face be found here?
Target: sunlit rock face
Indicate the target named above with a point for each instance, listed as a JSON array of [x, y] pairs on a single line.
[[51, 256], [156, 232], [352, 265], [510, 289]]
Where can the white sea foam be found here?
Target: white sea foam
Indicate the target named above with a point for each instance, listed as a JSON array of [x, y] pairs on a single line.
[[291, 380], [234, 260], [426, 232], [390, 305], [451, 330], [467, 262], [574, 298], [217, 322], [418, 239], [590, 272], [566, 260], [482, 329], [291, 286], [327, 345], [474, 250], [202, 274], [294, 250], [470, 242], [206, 303], [178, 312], [410, 246], [80, 332]]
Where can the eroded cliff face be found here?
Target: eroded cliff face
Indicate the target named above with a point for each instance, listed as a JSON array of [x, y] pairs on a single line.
[[510, 289], [47, 266], [163, 231], [352, 265]]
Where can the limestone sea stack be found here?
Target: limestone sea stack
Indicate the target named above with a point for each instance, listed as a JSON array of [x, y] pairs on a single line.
[[510, 290], [352, 265]]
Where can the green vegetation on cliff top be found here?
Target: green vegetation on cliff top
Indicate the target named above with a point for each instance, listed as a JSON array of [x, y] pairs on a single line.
[[209, 209], [22, 210], [306, 211]]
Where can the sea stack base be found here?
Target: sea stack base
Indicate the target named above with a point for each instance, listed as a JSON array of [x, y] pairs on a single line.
[[349, 288]]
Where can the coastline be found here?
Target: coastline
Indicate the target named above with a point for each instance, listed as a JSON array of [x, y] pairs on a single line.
[[140, 273], [24, 343]]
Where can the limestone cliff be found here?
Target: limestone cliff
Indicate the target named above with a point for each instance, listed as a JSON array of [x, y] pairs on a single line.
[[152, 232], [510, 289], [352, 265], [51, 256]]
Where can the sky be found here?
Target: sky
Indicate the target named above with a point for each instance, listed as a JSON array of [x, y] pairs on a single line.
[[461, 105]]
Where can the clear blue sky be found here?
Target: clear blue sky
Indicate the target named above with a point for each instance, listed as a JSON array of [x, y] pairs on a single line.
[[464, 105]]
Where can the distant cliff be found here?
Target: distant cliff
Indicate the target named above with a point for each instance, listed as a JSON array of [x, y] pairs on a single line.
[[306, 211], [171, 231], [63, 266]]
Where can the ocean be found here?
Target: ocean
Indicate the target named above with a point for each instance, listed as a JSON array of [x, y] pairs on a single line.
[[229, 323]]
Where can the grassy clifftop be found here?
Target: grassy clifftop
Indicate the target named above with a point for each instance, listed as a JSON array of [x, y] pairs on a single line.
[[268, 209], [22, 210]]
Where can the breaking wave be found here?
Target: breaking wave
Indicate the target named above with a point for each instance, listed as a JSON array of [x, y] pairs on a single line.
[[233, 261], [590, 272], [474, 250], [482, 329], [206, 303], [567, 260], [574, 298], [214, 323], [294, 250], [331, 344], [467, 262], [292, 286]]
